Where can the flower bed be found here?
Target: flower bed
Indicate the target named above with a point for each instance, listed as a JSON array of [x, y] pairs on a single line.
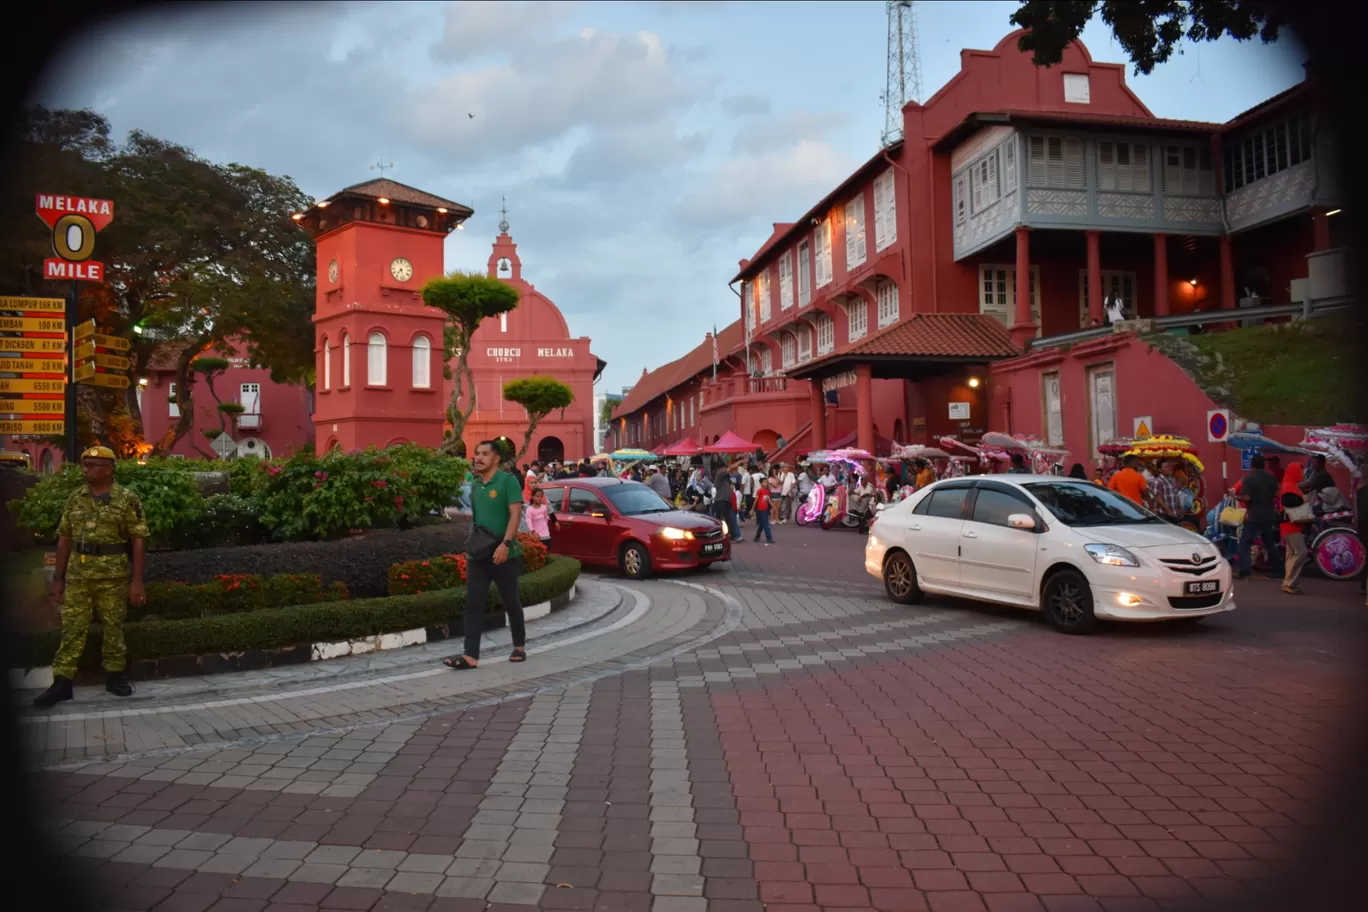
[[448, 571], [301, 625], [231, 594]]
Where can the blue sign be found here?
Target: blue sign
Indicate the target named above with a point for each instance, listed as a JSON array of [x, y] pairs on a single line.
[[1245, 459]]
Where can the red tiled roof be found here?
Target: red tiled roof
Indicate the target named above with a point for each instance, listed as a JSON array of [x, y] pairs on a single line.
[[1268, 104], [666, 377], [402, 193], [930, 336]]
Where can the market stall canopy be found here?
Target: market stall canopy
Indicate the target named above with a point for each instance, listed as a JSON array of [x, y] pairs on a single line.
[[659, 451], [631, 455], [730, 442], [685, 447]]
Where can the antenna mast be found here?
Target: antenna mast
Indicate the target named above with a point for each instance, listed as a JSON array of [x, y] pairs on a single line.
[[903, 83]]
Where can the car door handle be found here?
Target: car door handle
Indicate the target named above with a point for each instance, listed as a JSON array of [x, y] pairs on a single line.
[[971, 535], [914, 528]]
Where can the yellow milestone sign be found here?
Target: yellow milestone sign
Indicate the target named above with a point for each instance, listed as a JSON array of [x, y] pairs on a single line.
[[10, 386], [32, 406], [32, 324], [34, 305], [32, 366], [81, 330], [108, 381], [110, 362], [32, 427], [111, 343], [19, 344]]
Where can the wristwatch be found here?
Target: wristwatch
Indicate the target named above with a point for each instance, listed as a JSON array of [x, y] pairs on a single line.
[[508, 542]]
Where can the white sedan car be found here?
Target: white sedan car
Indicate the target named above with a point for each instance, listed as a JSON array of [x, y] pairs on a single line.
[[1070, 548]]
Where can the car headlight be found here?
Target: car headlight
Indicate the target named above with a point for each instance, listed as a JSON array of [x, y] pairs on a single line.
[[674, 534], [1112, 555], [725, 530]]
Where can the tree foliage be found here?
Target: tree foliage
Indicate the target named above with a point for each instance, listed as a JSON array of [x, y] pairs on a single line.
[[540, 396], [1148, 30], [198, 254], [467, 299]]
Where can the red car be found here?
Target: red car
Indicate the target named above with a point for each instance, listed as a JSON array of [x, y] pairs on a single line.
[[614, 523]]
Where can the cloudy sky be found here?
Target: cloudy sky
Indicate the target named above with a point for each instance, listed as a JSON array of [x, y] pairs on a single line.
[[644, 148]]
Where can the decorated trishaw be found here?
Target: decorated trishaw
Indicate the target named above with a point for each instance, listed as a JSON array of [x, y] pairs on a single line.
[[1041, 458], [938, 459], [1153, 451], [988, 459], [1333, 542]]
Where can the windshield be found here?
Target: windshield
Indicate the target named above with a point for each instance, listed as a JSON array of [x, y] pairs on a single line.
[[1084, 504], [635, 499]]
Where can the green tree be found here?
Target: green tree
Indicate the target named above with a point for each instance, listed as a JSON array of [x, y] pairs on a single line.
[[540, 396], [467, 299], [198, 254], [1148, 30]]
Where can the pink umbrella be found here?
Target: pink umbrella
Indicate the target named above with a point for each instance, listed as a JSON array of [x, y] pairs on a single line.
[[685, 447], [730, 443]]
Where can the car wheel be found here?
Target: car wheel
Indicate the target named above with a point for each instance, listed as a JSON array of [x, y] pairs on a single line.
[[900, 579], [1068, 603], [635, 562]]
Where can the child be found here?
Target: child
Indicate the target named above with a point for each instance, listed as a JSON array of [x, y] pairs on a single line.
[[762, 514], [538, 517]]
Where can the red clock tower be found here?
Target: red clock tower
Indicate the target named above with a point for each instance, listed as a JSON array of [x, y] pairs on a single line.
[[378, 347]]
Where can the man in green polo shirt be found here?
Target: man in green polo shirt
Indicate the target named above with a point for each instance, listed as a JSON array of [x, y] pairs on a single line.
[[496, 507]]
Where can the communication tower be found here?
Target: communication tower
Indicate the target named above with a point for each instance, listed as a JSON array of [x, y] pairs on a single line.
[[903, 83]]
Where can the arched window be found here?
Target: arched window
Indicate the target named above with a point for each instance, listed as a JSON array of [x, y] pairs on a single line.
[[45, 463], [422, 363], [327, 364], [346, 359], [377, 360]]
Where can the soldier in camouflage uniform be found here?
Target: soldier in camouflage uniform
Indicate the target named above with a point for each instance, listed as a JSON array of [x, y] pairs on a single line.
[[102, 526]]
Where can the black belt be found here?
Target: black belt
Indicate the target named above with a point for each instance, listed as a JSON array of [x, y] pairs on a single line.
[[101, 550]]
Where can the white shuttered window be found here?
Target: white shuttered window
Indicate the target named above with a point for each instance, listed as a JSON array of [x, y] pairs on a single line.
[[997, 293], [804, 342], [786, 349], [821, 239], [857, 319], [826, 334], [1123, 167], [885, 211], [1056, 162], [762, 300], [888, 304], [422, 363], [856, 249], [786, 281], [804, 274], [377, 360]]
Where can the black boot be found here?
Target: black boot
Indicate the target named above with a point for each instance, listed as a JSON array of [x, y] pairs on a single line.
[[59, 691], [116, 684]]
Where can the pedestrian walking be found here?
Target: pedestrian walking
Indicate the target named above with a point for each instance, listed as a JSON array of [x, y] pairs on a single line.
[[539, 516], [492, 555], [787, 489], [1294, 539], [659, 483], [1129, 483], [762, 514], [1258, 491], [103, 525], [722, 502], [1167, 495]]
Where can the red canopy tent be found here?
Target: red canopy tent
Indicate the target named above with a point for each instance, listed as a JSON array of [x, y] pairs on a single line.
[[685, 447], [659, 451], [730, 443]]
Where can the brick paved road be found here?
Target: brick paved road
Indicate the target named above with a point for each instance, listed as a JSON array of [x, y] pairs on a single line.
[[773, 735]]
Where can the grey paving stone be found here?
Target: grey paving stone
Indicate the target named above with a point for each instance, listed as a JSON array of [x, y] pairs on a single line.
[[295, 850], [378, 858], [414, 882], [517, 894], [522, 872], [271, 867], [318, 873], [100, 848], [226, 864], [494, 818], [527, 836], [332, 854], [244, 845], [676, 864], [141, 854], [479, 848], [532, 854], [162, 837], [679, 904], [473, 867], [465, 887], [124, 832], [677, 885], [425, 864], [538, 821], [489, 832], [376, 878], [89, 828], [209, 842], [189, 859], [674, 847]]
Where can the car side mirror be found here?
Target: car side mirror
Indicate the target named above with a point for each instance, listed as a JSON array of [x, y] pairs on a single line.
[[1021, 521]]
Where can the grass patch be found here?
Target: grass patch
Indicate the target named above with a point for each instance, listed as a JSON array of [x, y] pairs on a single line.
[[1289, 373]]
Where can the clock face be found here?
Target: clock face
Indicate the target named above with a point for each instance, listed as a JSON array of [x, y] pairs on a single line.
[[401, 269], [333, 271]]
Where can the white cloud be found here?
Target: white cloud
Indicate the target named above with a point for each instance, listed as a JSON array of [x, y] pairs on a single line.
[[474, 29], [761, 135]]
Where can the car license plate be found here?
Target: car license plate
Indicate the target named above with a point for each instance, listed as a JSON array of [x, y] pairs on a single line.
[[1202, 587], [714, 548]]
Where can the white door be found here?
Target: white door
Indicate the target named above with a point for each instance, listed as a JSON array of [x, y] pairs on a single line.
[[251, 398], [995, 560], [1102, 402], [933, 535]]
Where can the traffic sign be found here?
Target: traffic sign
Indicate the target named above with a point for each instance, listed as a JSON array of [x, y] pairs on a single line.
[[31, 406], [11, 386], [33, 426], [1218, 425], [112, 343], [21, 344], [86, 356], [109, 381], [58, 269], [224, 445], [33, 305], [81, 330], [33, 324], [33, 366]]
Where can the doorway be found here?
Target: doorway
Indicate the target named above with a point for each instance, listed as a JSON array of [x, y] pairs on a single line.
[[550, 449]]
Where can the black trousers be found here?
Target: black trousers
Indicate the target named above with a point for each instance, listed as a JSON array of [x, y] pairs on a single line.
[[479, 574]]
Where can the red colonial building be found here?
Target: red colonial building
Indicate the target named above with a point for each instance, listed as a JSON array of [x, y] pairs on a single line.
[[891, 308]]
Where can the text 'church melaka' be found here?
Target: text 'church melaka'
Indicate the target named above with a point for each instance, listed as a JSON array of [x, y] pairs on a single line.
[[379, 378]]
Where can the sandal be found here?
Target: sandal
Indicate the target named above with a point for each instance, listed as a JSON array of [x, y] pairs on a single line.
[[519, 654], [458, 663]]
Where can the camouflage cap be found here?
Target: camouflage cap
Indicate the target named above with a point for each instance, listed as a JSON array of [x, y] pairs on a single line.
[[98, 452]]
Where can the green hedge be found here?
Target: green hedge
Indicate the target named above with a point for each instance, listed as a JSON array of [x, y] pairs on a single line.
[[273, 628], [232, 594]]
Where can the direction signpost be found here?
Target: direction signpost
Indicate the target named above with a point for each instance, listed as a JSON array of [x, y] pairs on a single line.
[[74, 222]]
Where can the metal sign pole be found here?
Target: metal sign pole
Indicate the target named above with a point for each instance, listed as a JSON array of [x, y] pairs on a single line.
[[72, 303]]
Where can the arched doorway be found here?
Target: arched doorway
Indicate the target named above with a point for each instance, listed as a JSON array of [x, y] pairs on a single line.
[[550, 449], [766, 440]]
